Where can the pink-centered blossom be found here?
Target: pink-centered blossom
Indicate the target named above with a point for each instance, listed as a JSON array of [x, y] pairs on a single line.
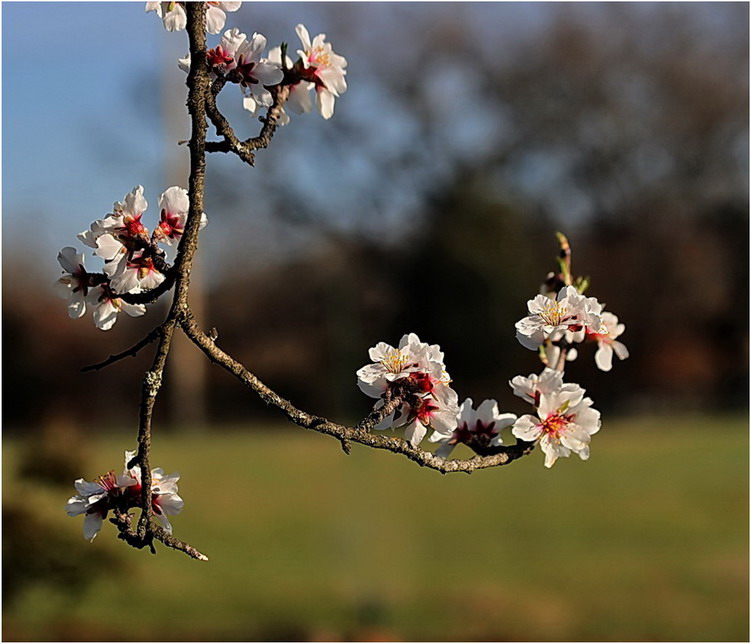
[[474, 426], [122, 230], [165, 500], [549, 381], [324, 68], [394, 363], [564, 424], [174, 205], [437, 409], [298, 99], [419, 369], [242, 56], [95, 499], [137, 271]]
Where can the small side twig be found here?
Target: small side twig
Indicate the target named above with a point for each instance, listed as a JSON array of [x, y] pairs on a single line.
[[122, 520], [230, 142], [128, 353], [222, 125]]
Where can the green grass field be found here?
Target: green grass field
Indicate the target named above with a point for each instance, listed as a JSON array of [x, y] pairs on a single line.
[[646, 541]]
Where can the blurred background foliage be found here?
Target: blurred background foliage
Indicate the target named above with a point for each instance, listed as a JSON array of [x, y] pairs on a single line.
[[470, 133]]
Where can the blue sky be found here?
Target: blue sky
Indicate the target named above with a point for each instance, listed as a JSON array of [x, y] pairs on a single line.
[[82, 121], [84, 118], [70, 121]]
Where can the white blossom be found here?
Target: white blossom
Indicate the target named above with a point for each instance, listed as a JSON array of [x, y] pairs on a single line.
[[172, 14], [391, 364], [175, 18], [324, 68], [298, 99], [548, 382], [74, 284], [106, 307], [174, 205], [165, 500], [236, 53], [94, 500], [438, 410], [553, 353], [607, 343], [215, 15], [570, 313], [564, 423], [429, 401], [482, 425], [135, 272]]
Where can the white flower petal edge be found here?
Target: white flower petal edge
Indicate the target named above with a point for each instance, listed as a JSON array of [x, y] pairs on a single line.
[[74, 284], [175, 18]]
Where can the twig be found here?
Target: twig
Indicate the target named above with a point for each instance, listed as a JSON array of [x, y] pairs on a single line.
[[244, 149], [128, 353], [222, 125], [123, 522]]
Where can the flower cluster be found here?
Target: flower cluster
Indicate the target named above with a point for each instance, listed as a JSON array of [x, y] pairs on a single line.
[[567, 319], [240, 60], [415, 371], [119, 492], [563, 420], [133, 261]]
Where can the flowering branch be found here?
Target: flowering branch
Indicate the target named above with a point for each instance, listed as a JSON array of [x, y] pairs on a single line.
[[411, 387], [360, 434]]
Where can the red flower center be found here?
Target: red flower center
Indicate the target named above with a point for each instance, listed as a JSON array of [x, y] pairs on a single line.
[[133, 226], [555, 424], [218, 57]]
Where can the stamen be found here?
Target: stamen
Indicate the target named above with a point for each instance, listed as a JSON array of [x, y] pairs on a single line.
[[554, 425], [319, 57], [108, 481], [395, 361], [554, 313]]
